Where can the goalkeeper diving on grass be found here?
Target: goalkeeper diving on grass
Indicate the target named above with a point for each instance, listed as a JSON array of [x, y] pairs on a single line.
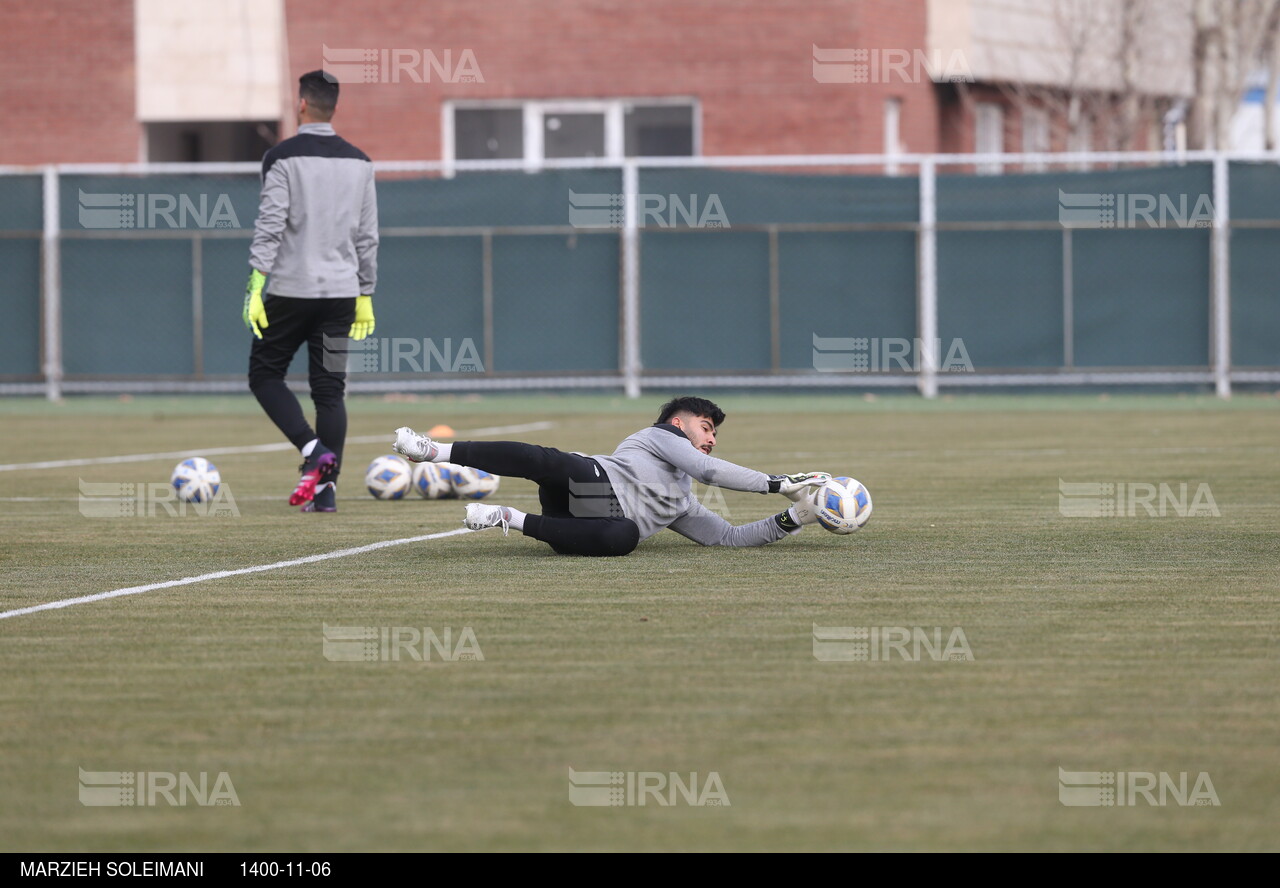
[[605, 505]]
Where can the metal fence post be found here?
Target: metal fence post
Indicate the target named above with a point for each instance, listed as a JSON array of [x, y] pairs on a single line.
[[1221, 326], [630, 280], [928, 298], [52, 308]]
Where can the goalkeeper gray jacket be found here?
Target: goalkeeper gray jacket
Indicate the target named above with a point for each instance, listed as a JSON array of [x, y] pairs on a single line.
[[316, 236], [652, 473]]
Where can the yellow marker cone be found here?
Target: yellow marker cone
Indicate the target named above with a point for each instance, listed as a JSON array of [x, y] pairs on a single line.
[[441, 431]]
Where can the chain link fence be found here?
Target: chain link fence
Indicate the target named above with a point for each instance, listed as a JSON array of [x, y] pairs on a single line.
[[812, 272]]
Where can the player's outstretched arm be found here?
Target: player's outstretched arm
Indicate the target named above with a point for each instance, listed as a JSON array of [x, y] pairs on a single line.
[[707, 528], [707, 469]]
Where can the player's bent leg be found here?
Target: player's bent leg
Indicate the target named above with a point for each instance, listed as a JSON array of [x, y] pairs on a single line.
[[514, 459], [608, 537]]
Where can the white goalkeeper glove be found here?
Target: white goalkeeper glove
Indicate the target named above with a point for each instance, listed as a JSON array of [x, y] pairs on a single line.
[[804, 497], [797, 487]]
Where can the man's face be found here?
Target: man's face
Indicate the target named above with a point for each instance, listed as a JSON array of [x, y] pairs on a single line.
[[700, 431]]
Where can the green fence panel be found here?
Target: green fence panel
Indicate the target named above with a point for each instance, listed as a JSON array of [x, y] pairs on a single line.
[[844, 285], [1000, 294], [158, 202], [673, 195], [1255, 298], [705, 300], [489, 199], [1141, 298], [555, 303], [21, 203], [20, 333], [1049, 197], [127, 311], [431, 291], [1255, 191]]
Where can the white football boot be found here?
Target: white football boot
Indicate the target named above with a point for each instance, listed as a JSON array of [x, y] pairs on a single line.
[[413, 446], [481, 515]]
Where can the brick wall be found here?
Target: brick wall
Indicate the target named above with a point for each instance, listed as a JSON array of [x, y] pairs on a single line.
[[748, 62], [67, 82]]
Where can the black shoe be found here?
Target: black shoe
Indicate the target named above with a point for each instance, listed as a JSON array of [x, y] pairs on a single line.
[[325, 500]]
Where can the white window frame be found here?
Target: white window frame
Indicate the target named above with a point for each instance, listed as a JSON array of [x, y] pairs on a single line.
[[1080, 140], [983, 113], [534, 122], [892, 132], [1035, 135]]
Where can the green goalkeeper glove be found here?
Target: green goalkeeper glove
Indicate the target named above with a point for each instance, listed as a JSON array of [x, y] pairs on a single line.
[[364, 318], [255, 314]]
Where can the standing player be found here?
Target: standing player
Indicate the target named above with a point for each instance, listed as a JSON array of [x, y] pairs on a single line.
[[605, 505], [317, 238]]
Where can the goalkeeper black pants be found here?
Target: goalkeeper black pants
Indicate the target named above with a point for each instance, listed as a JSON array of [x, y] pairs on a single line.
[[290, 323], [581, 514]]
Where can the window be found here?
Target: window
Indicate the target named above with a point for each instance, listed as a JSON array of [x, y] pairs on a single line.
[[538, 130], [1035, 134], [659, 130], [488, 133], [989, 134], [204, 142], [573, 135]]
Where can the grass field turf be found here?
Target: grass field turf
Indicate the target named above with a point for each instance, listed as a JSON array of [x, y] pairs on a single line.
[[1141, 644]]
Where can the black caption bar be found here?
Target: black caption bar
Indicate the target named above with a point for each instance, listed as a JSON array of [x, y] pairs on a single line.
[[302, 867]]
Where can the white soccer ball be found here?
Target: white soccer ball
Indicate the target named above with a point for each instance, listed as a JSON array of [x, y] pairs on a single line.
[[470, 483], [388, 477], [433, 480], [196, 480], [843, 505]]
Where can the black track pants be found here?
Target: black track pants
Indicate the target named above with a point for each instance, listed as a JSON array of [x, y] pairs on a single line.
[[291, 322], [580, 512]]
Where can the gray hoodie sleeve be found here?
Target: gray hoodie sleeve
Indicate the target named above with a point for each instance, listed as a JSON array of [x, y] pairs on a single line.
[[367, 238], [676, 450], [707, 528], [273, 213]]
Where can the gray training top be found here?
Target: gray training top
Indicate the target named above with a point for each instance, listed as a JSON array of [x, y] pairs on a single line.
[[652, 470], [317, 229]]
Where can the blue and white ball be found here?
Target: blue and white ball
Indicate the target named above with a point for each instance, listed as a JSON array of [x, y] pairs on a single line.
[[389, 477], [469, 483], [433, 480], [196, 480], [843, 505]]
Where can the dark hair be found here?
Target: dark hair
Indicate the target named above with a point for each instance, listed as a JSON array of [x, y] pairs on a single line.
[[320, 89], [696, 406]]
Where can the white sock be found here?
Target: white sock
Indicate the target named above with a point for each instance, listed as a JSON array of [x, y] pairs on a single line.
[[515, 517], [443, 451], [309, 447]]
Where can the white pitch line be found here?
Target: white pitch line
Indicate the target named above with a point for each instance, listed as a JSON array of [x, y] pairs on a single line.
[[251, 448], [221, 574]]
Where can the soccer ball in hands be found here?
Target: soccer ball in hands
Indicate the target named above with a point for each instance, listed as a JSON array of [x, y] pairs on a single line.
[[388, 477], [843, 505], [470, 483], [433, 480], [196, 480]]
